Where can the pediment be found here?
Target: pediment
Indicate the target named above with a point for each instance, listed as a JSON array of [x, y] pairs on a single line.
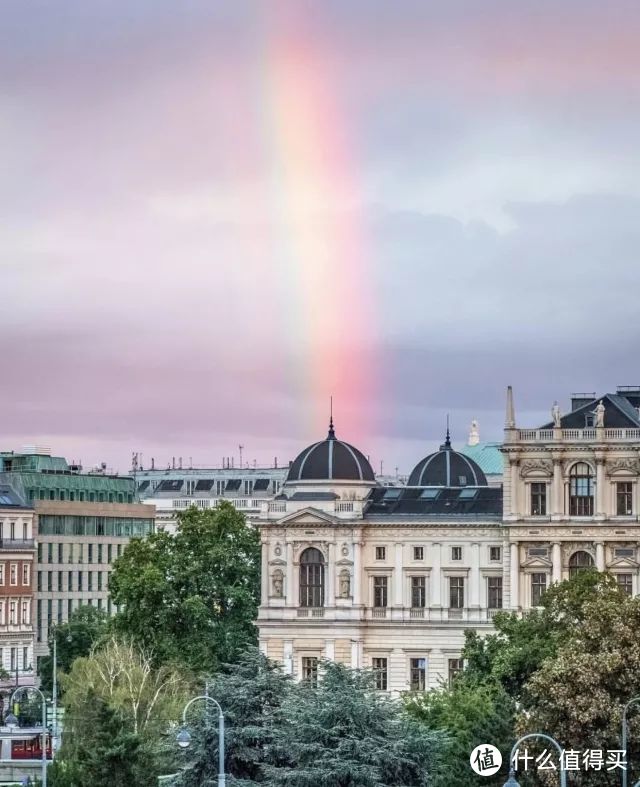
[[344, 562], [537, 562], [623, 562], [277, 561], [309, 517]]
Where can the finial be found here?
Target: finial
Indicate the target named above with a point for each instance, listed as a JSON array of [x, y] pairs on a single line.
[[510, 415], [447, 441], [332, 434]]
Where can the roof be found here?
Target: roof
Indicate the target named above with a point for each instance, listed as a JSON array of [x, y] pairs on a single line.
[[330, 460], [447, 467], [487, 456], [9, 498], [438, 502], [619, 413]]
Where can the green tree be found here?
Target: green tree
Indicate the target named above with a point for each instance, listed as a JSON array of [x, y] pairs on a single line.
[[251, 694], [86, 626], [343, 733], [469, 713], [191, 597]]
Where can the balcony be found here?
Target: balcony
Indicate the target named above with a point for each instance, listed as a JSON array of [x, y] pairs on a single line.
[[16, 543], [571, 435], [416, 612]]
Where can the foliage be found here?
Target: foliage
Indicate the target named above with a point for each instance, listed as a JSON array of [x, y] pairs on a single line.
[[470, 714], [191, 597], [343, 733], [118, 709], [251, 695], [86, 626]]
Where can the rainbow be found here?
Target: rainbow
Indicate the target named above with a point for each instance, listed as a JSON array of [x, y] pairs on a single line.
[[321, 235]]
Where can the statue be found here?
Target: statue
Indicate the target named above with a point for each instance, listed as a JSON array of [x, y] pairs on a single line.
[[277, 583], [345, 584], [555, 414], [600, 414]]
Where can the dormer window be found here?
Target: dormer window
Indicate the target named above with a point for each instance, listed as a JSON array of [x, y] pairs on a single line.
[[589, 420]]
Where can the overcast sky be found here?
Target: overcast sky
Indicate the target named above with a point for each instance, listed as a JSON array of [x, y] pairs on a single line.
[[214, 216]]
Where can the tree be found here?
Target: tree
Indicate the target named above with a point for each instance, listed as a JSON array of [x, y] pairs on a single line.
[[119, 709], [251, 694], [469, 713], [192, 597], [86, 626], [343, 733]]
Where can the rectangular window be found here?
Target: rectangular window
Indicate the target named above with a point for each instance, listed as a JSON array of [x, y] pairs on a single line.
[[69, 581], [456, 592], [494, 592], [2, 615], [13, 574], [456, 553], [380, 586], [70, 553], [40, 581], [624, 498], [418, 675], [60, 553], [381, 553], [625, 583], [418, 591], [90, 555], [13, 613], [99, 580], [60, 610], [49, 580], [538, 499], [49, 553], [25, 659], [418, 553], [310, 670], [14, 659], [60, 581], [99, 553], [80, 580], [456, 666], [109, 555], [538, 587], [495, 553], [380, 673], [89, 580], [12, 530], [2, 573], [69, 608], [39, 553], [26, 613], [80, 553]]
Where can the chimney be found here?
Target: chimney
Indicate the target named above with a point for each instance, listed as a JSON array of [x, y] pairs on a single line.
[[579, 400]]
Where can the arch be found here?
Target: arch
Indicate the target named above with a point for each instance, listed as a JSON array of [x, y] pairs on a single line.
[[581, 486], [311, 578], [580, 561]]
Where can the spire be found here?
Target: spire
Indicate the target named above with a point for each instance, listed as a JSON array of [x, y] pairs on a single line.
[[447, 440], [510, 416], [332, 434]]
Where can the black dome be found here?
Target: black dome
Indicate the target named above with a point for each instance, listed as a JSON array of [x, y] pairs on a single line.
[[447, 468], [329, 460]]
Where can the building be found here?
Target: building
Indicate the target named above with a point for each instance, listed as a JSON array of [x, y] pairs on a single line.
[[488, 455], [391, 577], [17, 555], [83, 522]]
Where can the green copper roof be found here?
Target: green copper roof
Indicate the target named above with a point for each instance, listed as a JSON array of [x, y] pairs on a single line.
[[487, 455]]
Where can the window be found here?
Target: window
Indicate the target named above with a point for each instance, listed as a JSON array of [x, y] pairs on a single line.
[[495, 553], [89, 580], [1, 573], [59, 610], [70, 553], [310, 670], [39, 581], [99, 553], [418, 553], [418, 674], [311, 578], [90, 555], [380, 588], [456, 666], [538, 587], [109, 553], [538, 499], [580, 561], [60, 581], [13, 613], [70, 581], [14, 659], [13, 574], [26, 613], [26, 574], [380, 673], [25, 531], [12, 530], [456, 592], [59, 553], [49, 553], [2, 613], [99, 580], [25, 659], [69, 607], [49, 580], [624, 498], [494, 592], [418, 591], [39, 553], [625, 583], [456, 553], [581, 490], [381, 553], [80, 580]]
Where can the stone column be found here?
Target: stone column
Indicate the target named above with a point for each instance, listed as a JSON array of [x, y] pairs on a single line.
[[436, 577], [291, 591], [264, 583], [557, 496], [515, 576], [474, 576], [556, 562], [513, 467], [288, 656], [397, 578], [357, 574], [600, 556], [330, 649], [355, 654], [330, 579], [600, 484]]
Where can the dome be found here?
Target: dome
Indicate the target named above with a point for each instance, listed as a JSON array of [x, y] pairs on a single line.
[[447, 468], [330, 460]]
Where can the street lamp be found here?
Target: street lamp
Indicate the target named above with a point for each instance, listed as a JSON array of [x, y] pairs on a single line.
[[511, 781], [624, 737], [183, 738], [11, 721]]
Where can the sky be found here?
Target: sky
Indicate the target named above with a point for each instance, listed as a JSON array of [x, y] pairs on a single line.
[[216, 216]]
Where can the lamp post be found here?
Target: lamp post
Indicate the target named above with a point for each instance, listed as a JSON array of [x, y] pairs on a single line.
[[511, 781], [625, 735], [184, 738], [12, 721]]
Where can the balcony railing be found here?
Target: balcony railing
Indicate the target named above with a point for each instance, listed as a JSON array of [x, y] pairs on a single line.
[[590, 433], [416, 612], [16, 543], [379, 612]]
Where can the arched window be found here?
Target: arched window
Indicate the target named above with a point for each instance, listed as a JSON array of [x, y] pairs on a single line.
[[580, 561], [311, 578], [581, 490]]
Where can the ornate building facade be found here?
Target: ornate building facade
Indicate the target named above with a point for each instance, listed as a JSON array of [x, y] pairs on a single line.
[[391, 577]]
